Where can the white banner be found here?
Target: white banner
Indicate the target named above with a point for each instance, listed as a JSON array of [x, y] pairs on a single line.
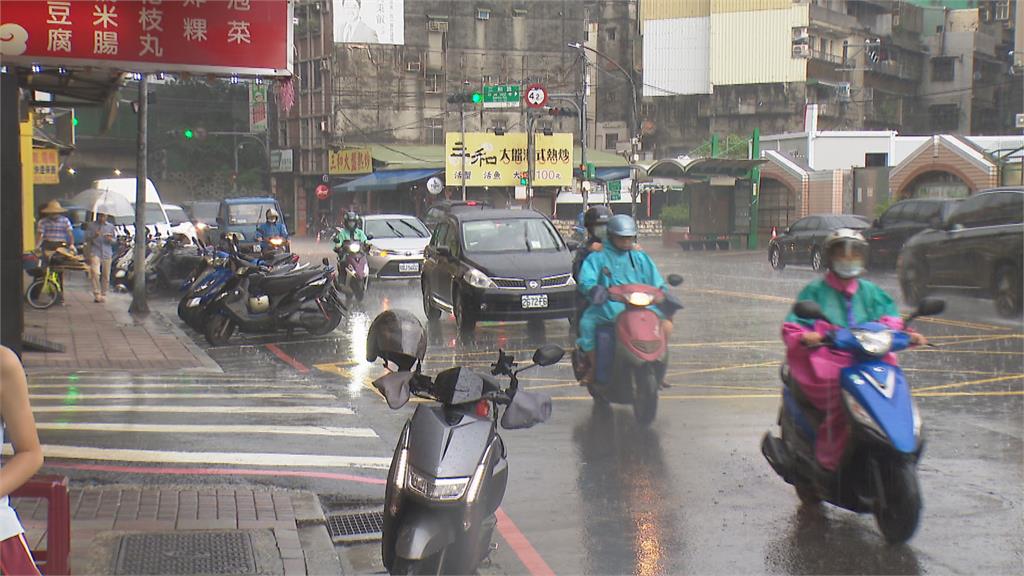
[[369, 21]]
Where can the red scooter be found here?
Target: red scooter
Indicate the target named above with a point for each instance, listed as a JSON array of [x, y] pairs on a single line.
[[632, 353], [352, 261]]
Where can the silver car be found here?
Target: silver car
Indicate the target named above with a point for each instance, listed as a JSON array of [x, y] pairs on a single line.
[[396, 245]]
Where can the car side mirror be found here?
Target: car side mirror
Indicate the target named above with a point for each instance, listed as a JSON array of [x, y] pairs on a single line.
[[809, 310], [326, 261], [572, 245], [369, 236], [675, 279], [955, 227], [548, 354]]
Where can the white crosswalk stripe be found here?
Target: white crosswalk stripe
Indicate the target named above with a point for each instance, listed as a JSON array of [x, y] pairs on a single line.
[[180, 396], [198, 409], [210, 429]]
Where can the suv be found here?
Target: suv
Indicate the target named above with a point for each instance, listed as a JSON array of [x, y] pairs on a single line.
[[497, 265], [442, 208], [901, 221], [979, 249]]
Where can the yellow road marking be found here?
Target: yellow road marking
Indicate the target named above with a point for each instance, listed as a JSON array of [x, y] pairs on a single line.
[[971, 383], [949, 351], [984, 393], [744, 295], [723, 368], [962, 324], [972, 340]]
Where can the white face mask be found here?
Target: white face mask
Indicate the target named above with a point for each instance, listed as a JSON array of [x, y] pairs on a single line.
[[848, 269]]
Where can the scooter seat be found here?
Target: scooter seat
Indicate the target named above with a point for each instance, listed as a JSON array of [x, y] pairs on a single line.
[[280, 284]]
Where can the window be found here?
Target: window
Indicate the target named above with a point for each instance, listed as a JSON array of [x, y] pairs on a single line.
[[1002, 9], [874, 160], [943, 69], [612, 33], [483, 14], [439, 238], [944, 117], [499, 124], [894, 214], [396, 228], [969, 214], [519, 12], [610, 140], [804, 224]]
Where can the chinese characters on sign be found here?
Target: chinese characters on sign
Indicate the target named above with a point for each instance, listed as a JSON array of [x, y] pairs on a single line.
[[350, 161], [46, 164], [222, 36], [493, 160]]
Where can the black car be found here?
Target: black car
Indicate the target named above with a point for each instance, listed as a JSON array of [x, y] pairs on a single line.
[[801, 243], [901, 221], [439, 210], [979, 249], [497, 265]]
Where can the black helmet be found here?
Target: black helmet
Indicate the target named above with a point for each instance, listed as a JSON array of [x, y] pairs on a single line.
[[596, 215], [396, 336], [351, 218]]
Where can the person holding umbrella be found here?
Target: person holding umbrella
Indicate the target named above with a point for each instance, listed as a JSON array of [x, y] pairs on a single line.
[[100, 242]]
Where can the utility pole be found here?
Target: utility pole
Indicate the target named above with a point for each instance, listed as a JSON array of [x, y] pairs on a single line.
[[755, 189], [139, 304], [12, 321], [583, 123], [462, 127], [531, 159], [234, 175]]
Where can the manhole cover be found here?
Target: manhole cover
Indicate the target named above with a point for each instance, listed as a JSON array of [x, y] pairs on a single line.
[[356, 526], [195, 553]]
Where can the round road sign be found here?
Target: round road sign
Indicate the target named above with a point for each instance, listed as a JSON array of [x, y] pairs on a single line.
[[323, 191], [434, 185], [536, 96]]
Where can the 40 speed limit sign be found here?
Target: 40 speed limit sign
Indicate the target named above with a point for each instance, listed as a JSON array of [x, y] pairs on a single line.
[[536, 96]]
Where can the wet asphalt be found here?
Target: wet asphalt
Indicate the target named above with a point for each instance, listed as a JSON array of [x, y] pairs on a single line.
[[592, 492]]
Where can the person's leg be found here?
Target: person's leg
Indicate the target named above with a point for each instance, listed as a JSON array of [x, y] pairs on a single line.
[[833, 432], [587, 342], [94, 274], [105, 277]]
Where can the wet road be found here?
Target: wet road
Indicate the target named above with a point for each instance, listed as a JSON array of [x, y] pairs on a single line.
[[590, 491]]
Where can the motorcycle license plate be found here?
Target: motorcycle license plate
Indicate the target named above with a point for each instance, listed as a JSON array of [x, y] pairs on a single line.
[[408, 267], [535, 301]]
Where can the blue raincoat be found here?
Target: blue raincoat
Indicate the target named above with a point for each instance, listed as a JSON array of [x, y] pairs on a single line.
[[267, 230], [612, 267]]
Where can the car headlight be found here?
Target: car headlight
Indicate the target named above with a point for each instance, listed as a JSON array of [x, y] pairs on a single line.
[[861, 415], [478, 279], [201, 226], [640, 299], [442, 489], [354, 247], [374, 251], [874, 343]]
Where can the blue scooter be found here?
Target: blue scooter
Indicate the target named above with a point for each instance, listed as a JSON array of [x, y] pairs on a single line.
[[878, 470]]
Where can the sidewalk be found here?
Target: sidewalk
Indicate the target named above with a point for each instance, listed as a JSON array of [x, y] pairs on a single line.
[[158, 530], [104, 336]]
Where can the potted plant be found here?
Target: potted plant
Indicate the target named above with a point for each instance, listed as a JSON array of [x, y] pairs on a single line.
[[675, 224]]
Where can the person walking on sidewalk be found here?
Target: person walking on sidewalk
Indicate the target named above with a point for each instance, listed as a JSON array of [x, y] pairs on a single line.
[[99, 240], [17, 421]]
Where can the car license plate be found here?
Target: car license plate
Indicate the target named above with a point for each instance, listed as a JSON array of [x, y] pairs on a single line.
[[535, 301], [408, 266]]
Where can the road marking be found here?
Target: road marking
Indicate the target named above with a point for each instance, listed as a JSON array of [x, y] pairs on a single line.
[[211, 429], [200, 409], [158, 386], [215, 472], [978, 352], [185, 396], [333, 368], [723, 368], [726, 343], [743, 295], [971, 383], [289, 360], [527, 554], [962, 324], [982, 393], [972, 340], [229, 458], [777, 395]]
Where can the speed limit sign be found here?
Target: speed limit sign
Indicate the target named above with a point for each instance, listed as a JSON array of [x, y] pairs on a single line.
[[536, 96]]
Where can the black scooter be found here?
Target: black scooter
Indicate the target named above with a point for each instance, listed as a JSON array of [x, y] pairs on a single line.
[[449, 472]]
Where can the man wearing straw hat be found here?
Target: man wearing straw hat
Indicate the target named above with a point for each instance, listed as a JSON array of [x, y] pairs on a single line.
[[100, 241], [54, 230]]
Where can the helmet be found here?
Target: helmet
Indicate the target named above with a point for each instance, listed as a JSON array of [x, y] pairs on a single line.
[[396, 336], [272, 215], [596, 215], [851, 243], [351, 218], [621, 225]]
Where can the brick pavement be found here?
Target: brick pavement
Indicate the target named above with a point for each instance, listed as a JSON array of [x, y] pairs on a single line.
[[98, 513], [104, 336]]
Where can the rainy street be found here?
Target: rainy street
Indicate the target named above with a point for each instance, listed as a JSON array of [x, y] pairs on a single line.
[[590, 491]]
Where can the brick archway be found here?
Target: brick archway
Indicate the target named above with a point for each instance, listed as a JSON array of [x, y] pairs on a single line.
[[944, 154]]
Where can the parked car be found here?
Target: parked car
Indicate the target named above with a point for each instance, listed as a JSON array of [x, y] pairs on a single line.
[[901, 221], [801, 243], [240, 216], [442, 208], [978, 250], [396, 245], [180, 222], [497, 265], [203, 215]]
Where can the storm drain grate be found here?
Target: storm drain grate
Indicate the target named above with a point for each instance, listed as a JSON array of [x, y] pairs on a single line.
[[355, 526], [196, 553]]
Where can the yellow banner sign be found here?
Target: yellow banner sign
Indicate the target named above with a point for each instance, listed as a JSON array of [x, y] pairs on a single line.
[[350, 161], [46, 166], [492, 160]]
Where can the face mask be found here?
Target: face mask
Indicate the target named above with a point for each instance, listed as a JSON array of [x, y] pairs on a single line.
[[848, 269], [601, 231]]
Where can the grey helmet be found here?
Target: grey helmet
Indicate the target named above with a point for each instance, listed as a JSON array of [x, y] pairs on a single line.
[[622, 225], [849, 241], [398, 337]]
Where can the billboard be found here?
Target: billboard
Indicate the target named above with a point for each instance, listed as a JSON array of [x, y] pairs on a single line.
[[493, 160], [229, 37], [369, 21], [45, 166], [349, 161]]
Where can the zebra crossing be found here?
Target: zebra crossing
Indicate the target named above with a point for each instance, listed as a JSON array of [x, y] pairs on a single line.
[[220, 421]]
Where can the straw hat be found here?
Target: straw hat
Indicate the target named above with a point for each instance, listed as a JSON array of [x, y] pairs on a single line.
[[53, 207]]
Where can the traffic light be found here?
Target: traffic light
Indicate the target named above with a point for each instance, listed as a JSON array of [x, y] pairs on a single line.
[[188, 134], [591, 171], [476, 97], [466, 98], [524, 181], [561, 111]]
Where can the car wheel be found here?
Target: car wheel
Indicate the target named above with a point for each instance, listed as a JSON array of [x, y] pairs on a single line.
[[775, 258], [913, 284], [816, 260], [429, 310], [465, 319], [1008, 294]]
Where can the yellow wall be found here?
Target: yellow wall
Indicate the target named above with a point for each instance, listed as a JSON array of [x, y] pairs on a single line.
[[28, 198], [723, 6], [766, 56], [668, 9]]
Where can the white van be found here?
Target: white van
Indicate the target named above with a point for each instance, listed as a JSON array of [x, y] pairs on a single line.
[[125, 187]]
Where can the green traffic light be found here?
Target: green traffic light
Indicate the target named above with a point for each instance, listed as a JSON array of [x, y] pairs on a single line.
[[523, 181], [477, 98], [74, 121], [189, 134]]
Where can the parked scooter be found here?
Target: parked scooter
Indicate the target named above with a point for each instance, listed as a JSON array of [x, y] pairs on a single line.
[[173, 261], [352, 261], [449, 471], [878, 471], [632, 353]]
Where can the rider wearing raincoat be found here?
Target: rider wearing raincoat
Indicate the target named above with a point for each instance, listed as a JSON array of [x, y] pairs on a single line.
[[846, 299]]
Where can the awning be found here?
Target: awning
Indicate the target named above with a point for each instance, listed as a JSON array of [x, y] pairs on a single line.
[[408, 157], [608, 174], [385, 180]]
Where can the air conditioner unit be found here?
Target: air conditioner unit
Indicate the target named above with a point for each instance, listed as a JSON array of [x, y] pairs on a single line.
[[413, 66], [843, 92], [800, 34], [437, 26], [483, 14], [801, 51]]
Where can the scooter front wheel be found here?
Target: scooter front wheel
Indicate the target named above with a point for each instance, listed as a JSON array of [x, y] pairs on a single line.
[[898, 501], [219, 330], [645, 394], [429, 565]]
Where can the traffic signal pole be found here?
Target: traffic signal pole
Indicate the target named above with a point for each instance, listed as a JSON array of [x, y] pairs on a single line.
[[531, 159], [462, 127], [139, 304]]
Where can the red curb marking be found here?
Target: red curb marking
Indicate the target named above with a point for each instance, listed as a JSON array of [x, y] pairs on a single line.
[[289, 360], [219, 472], [521, 546]]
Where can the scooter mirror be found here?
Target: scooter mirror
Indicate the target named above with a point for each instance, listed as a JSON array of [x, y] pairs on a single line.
[[675, 279], [808, 309], [548, 354]]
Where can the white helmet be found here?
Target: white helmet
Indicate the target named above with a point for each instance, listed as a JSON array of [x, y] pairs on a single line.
[[850, 243], [272, 215]]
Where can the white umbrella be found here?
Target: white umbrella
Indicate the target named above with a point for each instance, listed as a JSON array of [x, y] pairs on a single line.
[[103, 201]]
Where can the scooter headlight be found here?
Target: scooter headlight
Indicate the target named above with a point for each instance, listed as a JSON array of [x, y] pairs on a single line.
[[862, 416], [641, 299], [120, 274], [874, 343], [277, 241], [441, 489], [354, 247]]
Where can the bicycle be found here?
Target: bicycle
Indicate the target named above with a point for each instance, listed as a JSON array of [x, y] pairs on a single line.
[[46, 290]]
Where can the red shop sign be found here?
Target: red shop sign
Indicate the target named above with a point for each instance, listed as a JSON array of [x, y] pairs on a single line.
[[224, 37]]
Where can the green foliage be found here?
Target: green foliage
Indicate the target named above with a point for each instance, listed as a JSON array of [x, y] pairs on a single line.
[[881, 207], [675, 215]]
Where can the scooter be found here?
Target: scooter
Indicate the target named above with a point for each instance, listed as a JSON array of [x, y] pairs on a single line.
[[632, 353], [878, 470], [173, 261], [352, 260], [449, 471]]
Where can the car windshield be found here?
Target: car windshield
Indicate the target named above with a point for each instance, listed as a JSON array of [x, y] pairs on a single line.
[[512, 235], [176, 216], [395, 228], [205, 211], [847, 221], [248, 213]]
